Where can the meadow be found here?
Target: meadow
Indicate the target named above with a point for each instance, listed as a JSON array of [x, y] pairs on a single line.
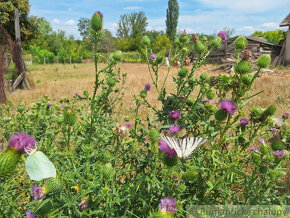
[[145, 140]]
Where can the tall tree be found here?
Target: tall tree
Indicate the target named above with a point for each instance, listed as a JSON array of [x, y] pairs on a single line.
[[28, 24], [132, 25], [83, 27], [172, 14]]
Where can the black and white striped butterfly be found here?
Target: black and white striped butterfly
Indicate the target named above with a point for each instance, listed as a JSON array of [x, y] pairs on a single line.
[[184, 147]]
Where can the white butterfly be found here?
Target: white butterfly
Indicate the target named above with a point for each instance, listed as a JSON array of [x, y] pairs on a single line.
[[184, 147]]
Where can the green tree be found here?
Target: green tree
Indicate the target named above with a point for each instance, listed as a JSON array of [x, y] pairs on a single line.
[[83, 27], [274, 36], [162, 44], [132, 25], [28, 24], [172, 14]]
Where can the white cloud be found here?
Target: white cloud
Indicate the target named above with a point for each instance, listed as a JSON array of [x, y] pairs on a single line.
[[132, 8], [247, 28], [272, 25], [246, 6], [56, 21], [70, 22]]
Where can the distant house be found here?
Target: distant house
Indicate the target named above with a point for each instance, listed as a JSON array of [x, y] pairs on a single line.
[[257, 45], [284, 58]]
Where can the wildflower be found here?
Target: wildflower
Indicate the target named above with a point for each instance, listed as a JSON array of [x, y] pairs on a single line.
[[254, 149], [229, 106], [168, 205], [97, 21], [127, 124], [223, 35], [76, 187], [184, 32], [147, 87], [48, 105], [175, 177], [244, 121], [262, 140], [38, 193], [213, 80], [171, 153], [174, 129], [29, 214], [22, 142], [83, 205], [120, 130], [285, 116], [174, 114], [152, 56], [278, 153], [273, 130]]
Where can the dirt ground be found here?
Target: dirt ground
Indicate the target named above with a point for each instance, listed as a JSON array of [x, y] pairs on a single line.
[[59, 81]]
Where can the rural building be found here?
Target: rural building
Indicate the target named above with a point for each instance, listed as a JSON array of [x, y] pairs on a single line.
[[285, 51], [257, 45]]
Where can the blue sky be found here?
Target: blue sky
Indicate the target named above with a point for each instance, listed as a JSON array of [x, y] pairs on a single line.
[[200, 16]]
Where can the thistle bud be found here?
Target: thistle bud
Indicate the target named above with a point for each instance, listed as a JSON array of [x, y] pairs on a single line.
[[240, 43], [247, 78], [277, 145], [52, 185], [8, 162], [243, 67], [199, 47], [111, 81], [221, 115], [108, 171], [183, 38], [204, 76], [143, 94], [216, 43], [145, 41], [153, 135], [182, 73], [117, 56], [210, 95], [97, 21], [264, 61], [271, 110]]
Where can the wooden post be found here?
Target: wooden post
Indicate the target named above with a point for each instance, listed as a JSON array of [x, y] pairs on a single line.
[[18, 59], [137, 54], [2, 84], [69, 59], [44, 60], [169, 54]]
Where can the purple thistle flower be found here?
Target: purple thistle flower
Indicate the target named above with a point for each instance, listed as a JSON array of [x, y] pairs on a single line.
[[262, 140], [29, 214], [48, 105], [244, 121], [37, 193], [171, 153], [184, 32], [223, 35], [127, 124], [22, 142], [83, 205], [148, 87], [174, 129], [174, 114], [99, 13], [273, 130], [285, 116], [229, 106], [278, 153], [254, 149], [168, 204], [175, 177], [152, 56]]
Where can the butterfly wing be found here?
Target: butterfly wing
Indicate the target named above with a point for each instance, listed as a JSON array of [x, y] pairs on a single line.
[[173, 143], [39, 167], [190, 144]]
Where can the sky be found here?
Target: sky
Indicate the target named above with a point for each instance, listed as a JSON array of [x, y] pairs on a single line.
[[195, 16]]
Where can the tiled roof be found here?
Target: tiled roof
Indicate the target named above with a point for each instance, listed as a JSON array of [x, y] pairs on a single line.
[[286, 21]]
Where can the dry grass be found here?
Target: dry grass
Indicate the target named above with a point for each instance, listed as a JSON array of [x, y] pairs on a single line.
[[59, 81]]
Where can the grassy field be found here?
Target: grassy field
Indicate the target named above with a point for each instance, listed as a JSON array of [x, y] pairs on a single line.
[[59, 81]]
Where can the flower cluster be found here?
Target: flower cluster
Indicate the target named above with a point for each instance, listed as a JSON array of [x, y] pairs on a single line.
[[22, 142], [171, 153]]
